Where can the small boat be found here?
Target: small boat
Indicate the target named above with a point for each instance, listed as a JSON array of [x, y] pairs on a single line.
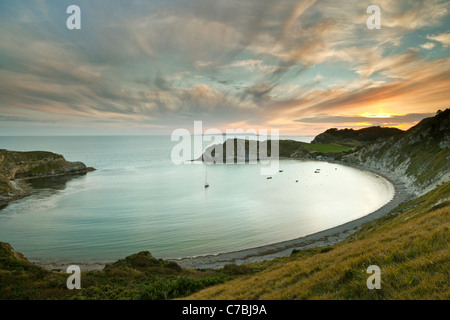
[[206, 182]]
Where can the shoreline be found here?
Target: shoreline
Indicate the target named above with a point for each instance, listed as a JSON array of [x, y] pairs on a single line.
[[280, 249], [319, 239]]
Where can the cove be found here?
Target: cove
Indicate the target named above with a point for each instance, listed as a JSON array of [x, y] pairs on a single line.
[[165, 209]]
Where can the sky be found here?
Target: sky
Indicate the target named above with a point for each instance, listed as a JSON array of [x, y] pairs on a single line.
[[150, 67]]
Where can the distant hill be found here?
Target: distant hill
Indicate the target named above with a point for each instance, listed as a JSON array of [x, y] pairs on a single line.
[[355, 138], [331, 144], [420, 157], [243, 150]]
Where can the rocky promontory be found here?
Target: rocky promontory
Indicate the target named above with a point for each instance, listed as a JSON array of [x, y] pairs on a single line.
[[15, 167]]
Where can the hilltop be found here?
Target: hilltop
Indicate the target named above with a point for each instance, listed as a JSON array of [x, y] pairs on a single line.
[[16, 167], [355, 138]]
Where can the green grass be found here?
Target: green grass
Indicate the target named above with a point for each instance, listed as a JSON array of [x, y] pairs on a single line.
[[328, 148]]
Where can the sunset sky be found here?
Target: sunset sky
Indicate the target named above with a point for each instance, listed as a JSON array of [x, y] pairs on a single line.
[[149, 67]]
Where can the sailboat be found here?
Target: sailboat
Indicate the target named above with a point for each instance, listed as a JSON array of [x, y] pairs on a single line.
[[206, 180]]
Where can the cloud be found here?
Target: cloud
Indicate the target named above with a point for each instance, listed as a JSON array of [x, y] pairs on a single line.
[[443, 38], [251, 65], [413, 15], [428, 45], [255, 62], [394, 119]]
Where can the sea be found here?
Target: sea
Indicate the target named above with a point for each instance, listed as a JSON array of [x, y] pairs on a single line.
[[138, 199]]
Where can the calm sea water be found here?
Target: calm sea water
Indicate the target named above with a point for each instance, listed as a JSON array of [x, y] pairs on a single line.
[[139, 200]]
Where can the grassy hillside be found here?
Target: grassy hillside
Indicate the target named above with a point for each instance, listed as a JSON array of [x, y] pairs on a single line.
[[410, 246], [355, 138], [332, 143], [328, 148]]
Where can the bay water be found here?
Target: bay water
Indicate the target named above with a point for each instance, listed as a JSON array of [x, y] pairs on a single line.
[[139, 200]]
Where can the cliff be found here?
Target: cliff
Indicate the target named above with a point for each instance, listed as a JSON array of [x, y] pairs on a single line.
[[419, 157], [18, 166]]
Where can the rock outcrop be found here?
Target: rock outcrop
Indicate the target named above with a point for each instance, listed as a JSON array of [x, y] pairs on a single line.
[[18, 166]]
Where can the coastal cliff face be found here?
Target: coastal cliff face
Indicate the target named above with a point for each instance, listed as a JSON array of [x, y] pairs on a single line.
[[419, 157], [18, 166]]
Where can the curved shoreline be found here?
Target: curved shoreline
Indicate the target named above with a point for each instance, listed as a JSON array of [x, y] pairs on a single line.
[[279, 249], [319, 239]]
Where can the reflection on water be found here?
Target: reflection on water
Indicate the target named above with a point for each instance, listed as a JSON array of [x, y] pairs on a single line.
[[54, 183], [42, 188]]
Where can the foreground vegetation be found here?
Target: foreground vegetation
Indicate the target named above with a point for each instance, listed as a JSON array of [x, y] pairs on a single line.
[[139, 276]]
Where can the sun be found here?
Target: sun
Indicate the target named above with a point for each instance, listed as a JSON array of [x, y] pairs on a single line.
[[377, 115]]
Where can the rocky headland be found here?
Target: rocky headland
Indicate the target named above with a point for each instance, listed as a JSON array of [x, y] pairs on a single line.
[[18, 167]]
